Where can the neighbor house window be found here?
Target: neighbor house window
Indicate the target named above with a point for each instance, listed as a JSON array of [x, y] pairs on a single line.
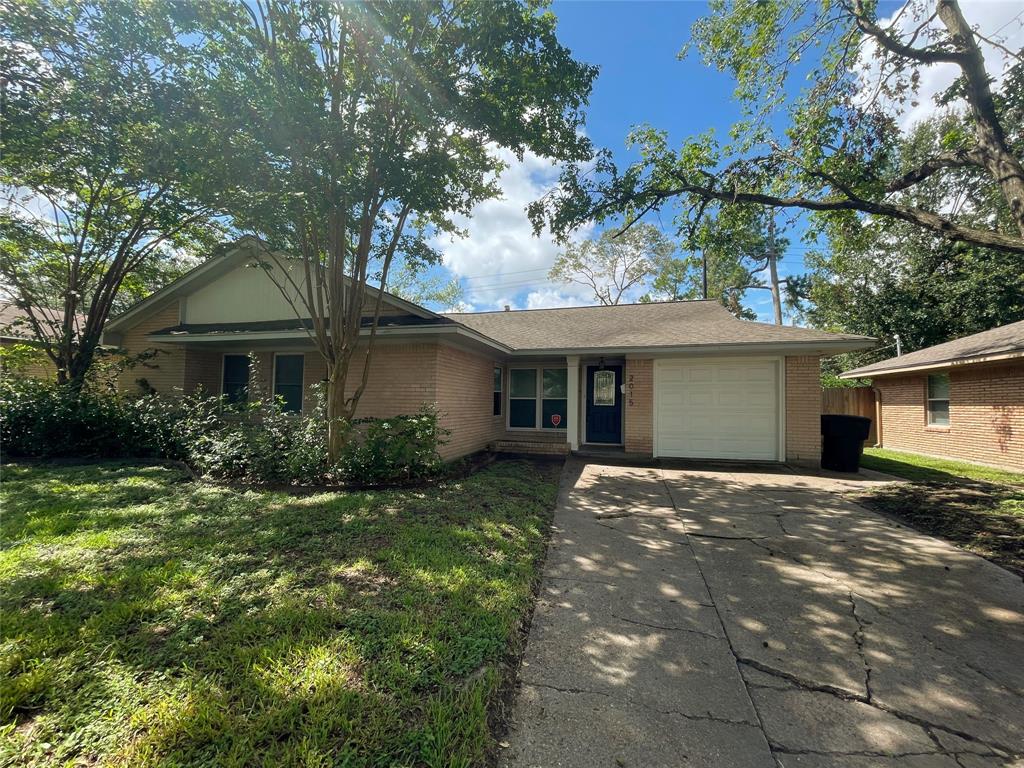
[[497, 391], [288, 380], [522, 398], [235, 382], [554, 398], [938, 399]]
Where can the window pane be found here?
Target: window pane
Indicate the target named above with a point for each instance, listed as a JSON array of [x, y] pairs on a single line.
[[497, 379], [604, 387], [555, 382], [938, 386], [554, 413], [497, 404], [938, 412], [523, 383], [235, 384], [522, 413], [288, 380]]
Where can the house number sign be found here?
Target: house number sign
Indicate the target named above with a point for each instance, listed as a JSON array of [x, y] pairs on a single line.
[[629, 386]]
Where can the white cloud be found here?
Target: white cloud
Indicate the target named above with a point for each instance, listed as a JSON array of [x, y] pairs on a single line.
[[998, 20], [546, 298], [500, 261]]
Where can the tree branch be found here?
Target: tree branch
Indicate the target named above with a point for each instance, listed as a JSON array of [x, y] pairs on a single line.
[[961, 158]]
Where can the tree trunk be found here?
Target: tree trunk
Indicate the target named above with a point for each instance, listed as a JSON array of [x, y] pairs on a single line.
[[339, 411], [1000, 162]]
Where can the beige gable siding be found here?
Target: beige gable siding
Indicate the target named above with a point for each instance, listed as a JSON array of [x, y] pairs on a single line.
[[248, 294], [465, 400], [803, 410], [986, 415], [166, 372]]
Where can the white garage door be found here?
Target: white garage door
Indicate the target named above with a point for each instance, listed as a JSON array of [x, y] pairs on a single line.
[[710, 409]]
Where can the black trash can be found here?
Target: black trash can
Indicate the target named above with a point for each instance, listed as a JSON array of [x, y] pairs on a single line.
[[842, 441]]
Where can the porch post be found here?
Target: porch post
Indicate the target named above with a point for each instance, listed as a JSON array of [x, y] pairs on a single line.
[[572, 417]]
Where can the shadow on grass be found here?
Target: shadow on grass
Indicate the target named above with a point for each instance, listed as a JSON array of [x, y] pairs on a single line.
[[154, 622]]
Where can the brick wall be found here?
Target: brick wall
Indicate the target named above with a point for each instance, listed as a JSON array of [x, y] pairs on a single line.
[[465, 399], [803, 410], [986, 415], [204, 368], [638, 377], [166, 372]]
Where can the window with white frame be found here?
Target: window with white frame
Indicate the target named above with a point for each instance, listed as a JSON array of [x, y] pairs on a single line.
[[497, 391], [522, 398], [938, 400], [288, 370], [554, 398], [538, 398]]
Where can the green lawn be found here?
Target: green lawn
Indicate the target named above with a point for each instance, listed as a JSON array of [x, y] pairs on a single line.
[[976, 507], [915, 467], [151, 620]]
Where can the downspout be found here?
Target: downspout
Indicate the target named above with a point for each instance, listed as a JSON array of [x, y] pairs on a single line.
[[878, 416]]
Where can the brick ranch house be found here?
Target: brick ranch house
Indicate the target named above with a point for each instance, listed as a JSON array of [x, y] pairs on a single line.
[[962, 400], [678, 379]]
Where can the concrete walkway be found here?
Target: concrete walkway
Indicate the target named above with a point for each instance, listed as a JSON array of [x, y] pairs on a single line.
[[739, 618]]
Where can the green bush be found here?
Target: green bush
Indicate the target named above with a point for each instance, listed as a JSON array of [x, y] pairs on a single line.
[[402, 448], [257, 442]]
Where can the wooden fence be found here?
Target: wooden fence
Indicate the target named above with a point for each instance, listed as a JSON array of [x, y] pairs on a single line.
[[852, 401]]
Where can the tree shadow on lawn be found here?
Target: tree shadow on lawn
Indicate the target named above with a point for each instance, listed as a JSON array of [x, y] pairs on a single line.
[[210, 625]]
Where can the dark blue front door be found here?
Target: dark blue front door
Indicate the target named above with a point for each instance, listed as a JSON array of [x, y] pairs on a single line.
[[604, 404]]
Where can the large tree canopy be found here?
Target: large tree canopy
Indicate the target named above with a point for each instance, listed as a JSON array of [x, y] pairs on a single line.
[[838, 152], [886, 278], [101, 159], [361, 130]]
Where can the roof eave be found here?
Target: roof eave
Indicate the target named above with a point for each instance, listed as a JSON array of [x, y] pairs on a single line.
[[832, 347], [956, 362], [448, 329]]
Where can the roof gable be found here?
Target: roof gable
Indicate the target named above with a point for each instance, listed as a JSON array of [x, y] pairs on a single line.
[[224, 288]]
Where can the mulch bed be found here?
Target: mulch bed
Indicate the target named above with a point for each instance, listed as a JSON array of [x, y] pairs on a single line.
[[984, 518]]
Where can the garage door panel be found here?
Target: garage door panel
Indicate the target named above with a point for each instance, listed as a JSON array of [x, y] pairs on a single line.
[[709, 409]]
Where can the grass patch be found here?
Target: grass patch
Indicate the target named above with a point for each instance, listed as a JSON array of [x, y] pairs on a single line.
[[914, 467], [978, 508], [150, 620]]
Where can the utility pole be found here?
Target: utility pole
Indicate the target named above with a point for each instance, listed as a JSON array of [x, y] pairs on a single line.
[[704, 271], [773, 270]]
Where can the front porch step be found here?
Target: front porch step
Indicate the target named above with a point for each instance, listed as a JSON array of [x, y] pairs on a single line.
[[545, 447]]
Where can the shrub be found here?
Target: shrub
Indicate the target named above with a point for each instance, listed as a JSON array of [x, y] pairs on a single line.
[[397, 449], [256, 442]]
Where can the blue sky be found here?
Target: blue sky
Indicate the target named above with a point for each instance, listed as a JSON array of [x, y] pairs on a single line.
[[635, 44]]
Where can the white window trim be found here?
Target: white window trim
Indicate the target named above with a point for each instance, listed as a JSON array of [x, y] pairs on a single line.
[[539, 397], [223, 368], [302, 384], [928, 400]]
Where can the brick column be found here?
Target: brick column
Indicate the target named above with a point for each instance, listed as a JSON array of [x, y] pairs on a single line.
[[639, 402], [803, 410]]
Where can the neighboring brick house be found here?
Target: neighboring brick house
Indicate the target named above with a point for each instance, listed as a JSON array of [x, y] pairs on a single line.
[[674, 379], [962, 400]]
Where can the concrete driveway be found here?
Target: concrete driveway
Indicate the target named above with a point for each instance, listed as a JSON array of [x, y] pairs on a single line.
[[736, 617]]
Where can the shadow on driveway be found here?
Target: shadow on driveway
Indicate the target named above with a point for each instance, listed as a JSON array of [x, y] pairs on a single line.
[[751, 616]]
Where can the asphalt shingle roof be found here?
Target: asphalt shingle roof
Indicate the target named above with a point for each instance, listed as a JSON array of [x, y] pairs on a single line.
[[625, 326], [1005, 339]]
